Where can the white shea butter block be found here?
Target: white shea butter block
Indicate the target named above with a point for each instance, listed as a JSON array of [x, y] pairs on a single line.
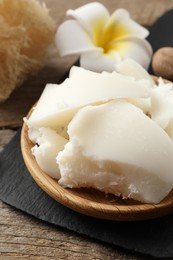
[[116, 148], [59, 103], [162, 105], [48, 145], [133, 69]]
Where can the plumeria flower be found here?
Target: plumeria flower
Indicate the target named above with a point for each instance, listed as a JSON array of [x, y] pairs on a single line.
[[102, 40]]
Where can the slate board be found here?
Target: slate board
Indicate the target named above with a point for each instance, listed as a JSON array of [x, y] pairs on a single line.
[[17, 188]]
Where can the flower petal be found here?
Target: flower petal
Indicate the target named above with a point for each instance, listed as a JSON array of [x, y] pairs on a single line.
[[99, 62], [72, 39], [122, 17], [120, 25], [132, 47], [92, 17]]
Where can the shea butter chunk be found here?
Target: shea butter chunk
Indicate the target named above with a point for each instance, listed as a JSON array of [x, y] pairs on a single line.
[[116, 148], [162, 107], [58, 103], [131, 68], [48, 145]]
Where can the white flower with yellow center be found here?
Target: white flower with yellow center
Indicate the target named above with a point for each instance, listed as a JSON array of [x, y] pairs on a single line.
[[102, 40]]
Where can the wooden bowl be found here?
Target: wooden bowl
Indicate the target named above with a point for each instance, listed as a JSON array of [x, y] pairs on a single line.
[[89, 201]]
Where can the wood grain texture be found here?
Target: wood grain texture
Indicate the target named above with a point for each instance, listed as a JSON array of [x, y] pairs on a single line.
[[24, 237]]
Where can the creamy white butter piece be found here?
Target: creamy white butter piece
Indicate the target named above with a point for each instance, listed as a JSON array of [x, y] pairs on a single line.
[[48, 145], [58, 103], [143, 103], [161, 110], [169, 128], [116, 148], [133, 69]]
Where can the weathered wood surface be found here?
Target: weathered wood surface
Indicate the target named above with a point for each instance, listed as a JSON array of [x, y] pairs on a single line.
[[24, 237]]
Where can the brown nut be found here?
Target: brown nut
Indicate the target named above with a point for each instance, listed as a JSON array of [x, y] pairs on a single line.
[[162, 62]]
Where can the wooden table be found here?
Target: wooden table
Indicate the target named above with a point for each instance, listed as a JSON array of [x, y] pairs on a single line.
[[22, 236]]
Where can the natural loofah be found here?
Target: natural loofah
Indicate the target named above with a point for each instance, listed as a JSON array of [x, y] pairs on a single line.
[[26, 30]]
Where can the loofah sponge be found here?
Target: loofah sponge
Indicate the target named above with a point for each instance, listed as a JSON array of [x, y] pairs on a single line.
[[26, 31]]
